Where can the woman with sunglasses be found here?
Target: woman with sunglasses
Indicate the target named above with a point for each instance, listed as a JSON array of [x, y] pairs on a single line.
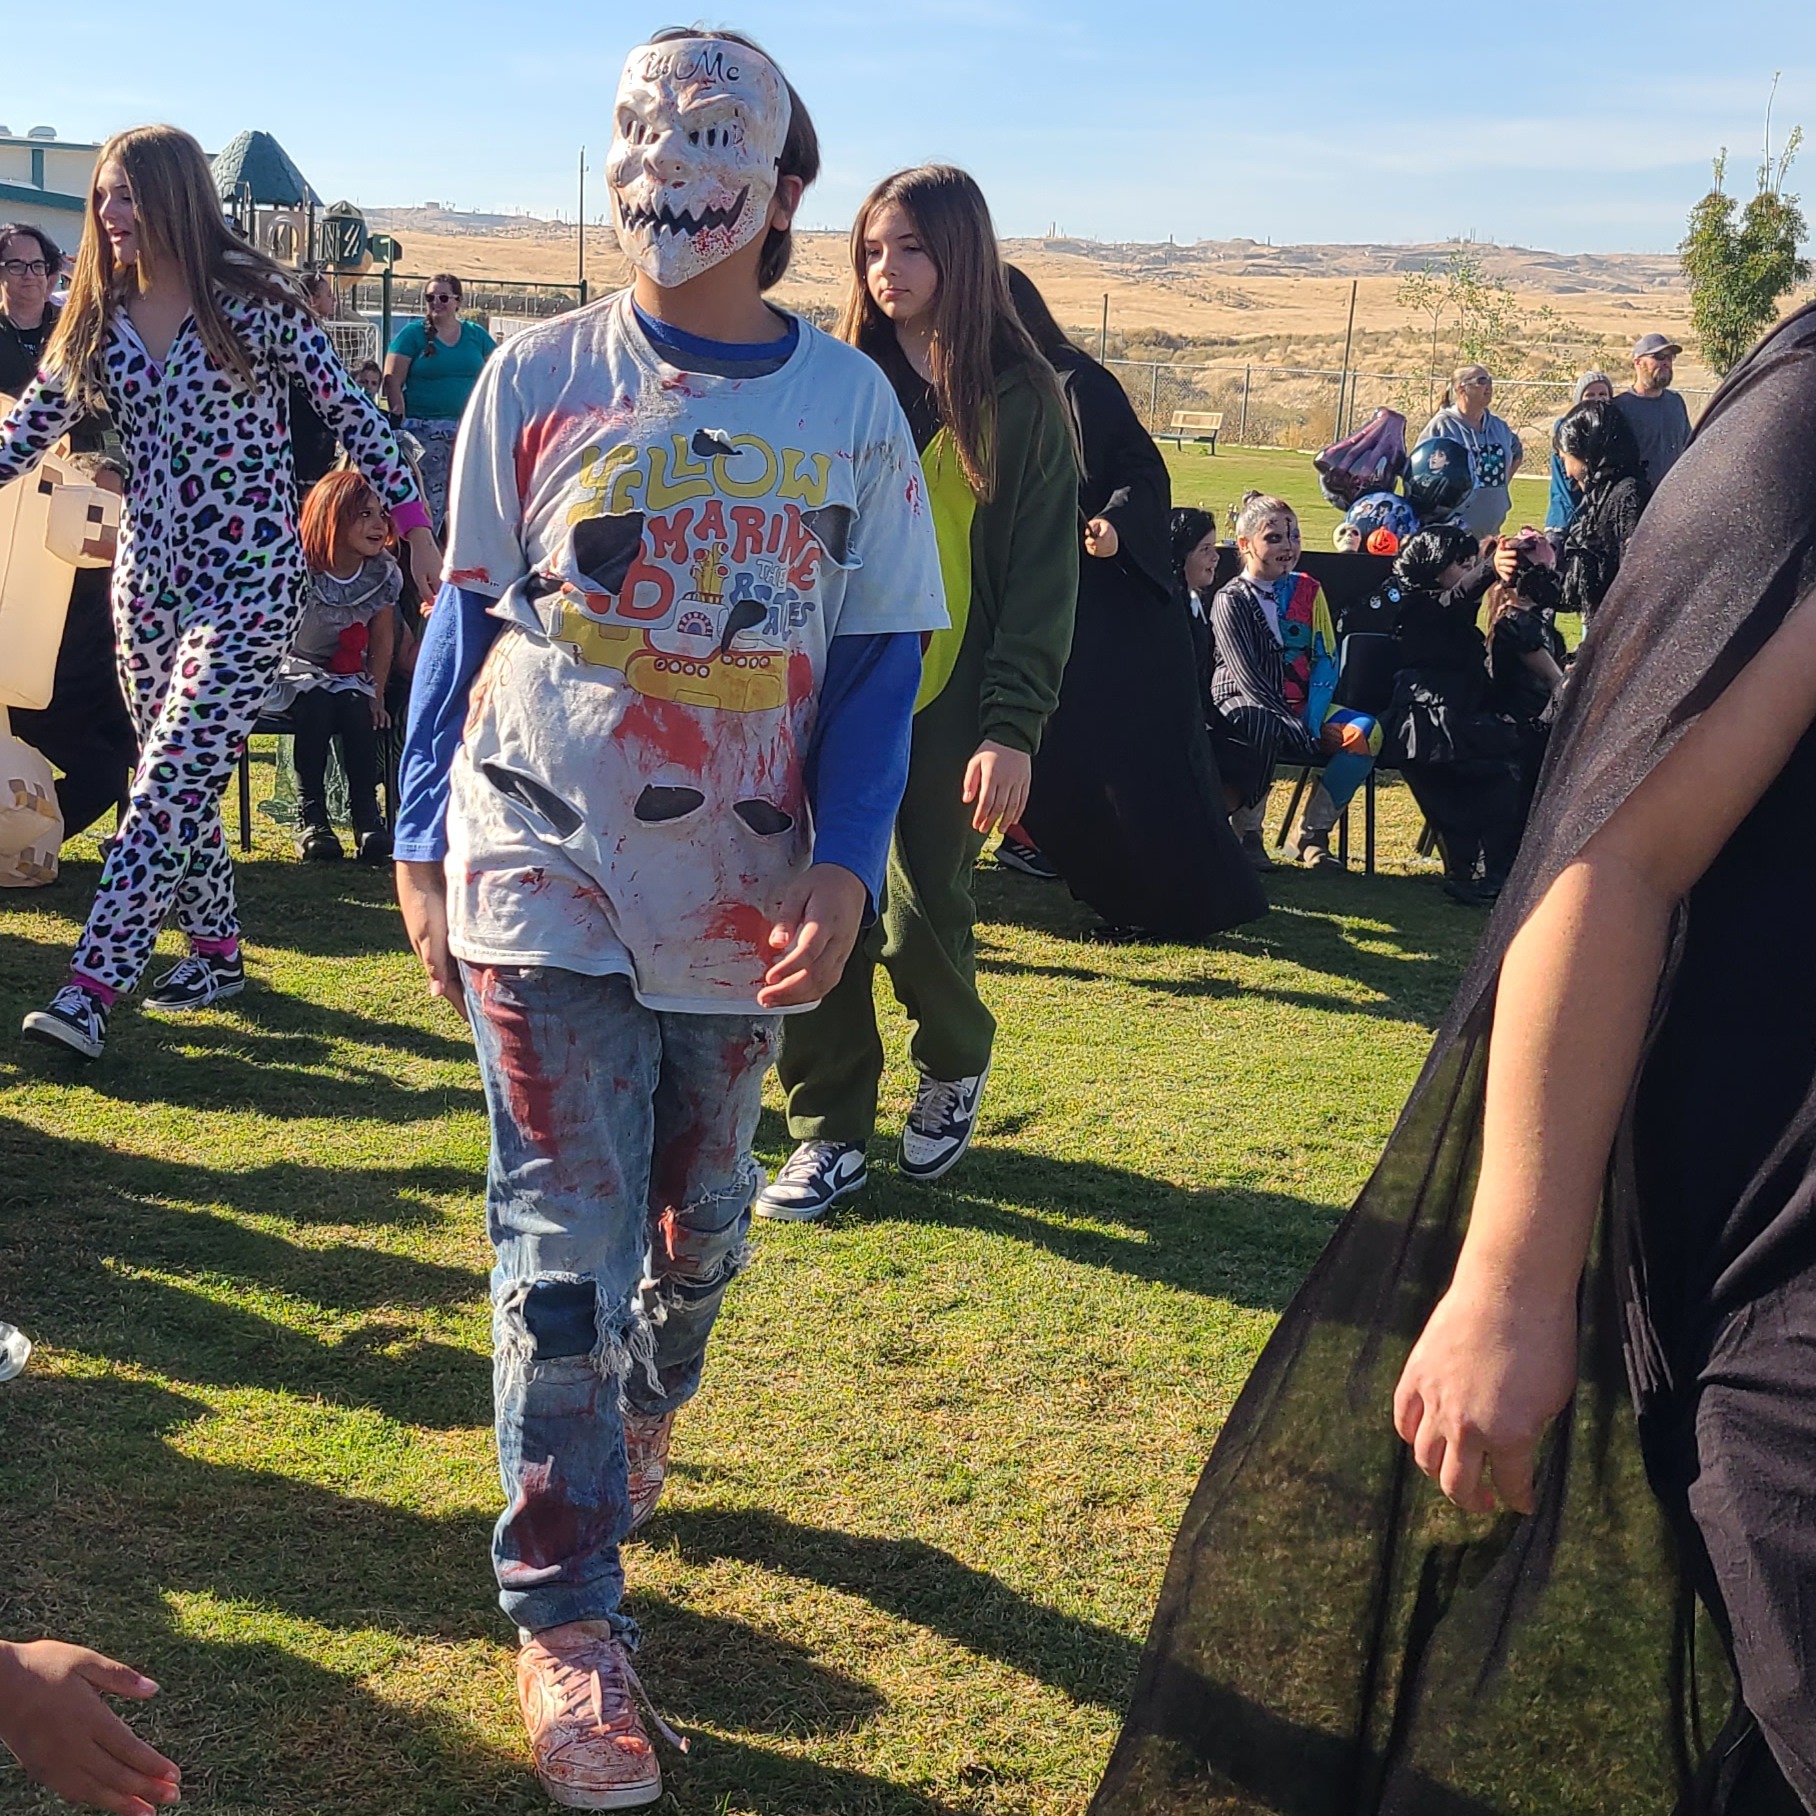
[[430, 373]]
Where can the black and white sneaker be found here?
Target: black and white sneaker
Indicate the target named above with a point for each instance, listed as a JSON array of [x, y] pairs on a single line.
[[817, 1176], [1030, 860], [941, 1124], [197, 981], [74, 1018]]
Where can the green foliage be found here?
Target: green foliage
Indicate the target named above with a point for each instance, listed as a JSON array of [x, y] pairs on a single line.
[[1469, 316], [1740, 270]]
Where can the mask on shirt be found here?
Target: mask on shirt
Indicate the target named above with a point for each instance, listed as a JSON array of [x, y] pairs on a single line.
[[697, 135]]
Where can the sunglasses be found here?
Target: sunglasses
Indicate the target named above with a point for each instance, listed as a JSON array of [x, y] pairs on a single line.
[[441, 296], [25, 268]]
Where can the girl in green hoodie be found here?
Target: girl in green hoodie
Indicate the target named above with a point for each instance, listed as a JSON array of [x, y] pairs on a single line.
[[929, 302]]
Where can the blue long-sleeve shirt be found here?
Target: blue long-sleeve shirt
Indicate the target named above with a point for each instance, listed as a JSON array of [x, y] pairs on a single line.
[[856, 765]]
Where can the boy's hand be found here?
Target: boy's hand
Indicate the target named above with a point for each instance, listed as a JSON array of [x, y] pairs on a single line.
[[422, 893], [55, 1723], [1101, 538], [816, 928], [425, 561], [997, 779], [380, 717]]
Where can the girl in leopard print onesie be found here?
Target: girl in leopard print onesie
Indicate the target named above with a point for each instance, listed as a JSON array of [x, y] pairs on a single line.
[[191, 341]]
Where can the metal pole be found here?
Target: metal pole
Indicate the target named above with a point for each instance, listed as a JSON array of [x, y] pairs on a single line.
[[1103, 333], [384, 307], [1242, 428], [1154, 399], [580, 275], [1348, 337]]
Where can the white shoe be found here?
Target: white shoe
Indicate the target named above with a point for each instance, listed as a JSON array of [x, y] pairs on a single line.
[[817, 1176], [941, 1124]]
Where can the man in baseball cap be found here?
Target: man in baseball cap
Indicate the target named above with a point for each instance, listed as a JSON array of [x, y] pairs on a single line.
[[1659, 416]]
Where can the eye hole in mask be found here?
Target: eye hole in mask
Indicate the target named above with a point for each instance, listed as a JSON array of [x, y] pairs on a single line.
[[763, 817], [657, 805]]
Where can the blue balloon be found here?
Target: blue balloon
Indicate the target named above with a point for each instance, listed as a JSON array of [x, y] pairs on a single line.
[[1383, 511], [1438, 478]]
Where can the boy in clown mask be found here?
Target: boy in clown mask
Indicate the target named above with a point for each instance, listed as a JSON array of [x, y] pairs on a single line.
[[657, 741]]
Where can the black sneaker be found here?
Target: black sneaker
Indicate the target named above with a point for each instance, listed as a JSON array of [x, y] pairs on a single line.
[[197, 981], [1314, 852], [817, 1176], [1254, 848], [319, 845], [375, 846], [941, 1124], [1030, 860], [74, 1018]]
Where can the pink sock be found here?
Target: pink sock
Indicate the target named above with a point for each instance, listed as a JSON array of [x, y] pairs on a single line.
[[213, 948], [105, 994]]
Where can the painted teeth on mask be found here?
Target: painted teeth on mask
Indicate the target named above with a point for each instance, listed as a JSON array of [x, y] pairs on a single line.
[[686, 222]]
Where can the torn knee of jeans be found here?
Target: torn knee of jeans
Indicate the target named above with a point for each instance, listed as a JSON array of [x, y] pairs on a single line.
[[703, 1241], [559, 1317]]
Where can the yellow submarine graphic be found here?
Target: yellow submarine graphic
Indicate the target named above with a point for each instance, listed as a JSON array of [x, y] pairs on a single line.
[[732, 680]]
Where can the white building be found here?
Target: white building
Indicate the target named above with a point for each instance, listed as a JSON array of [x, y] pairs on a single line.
[[44, 182]]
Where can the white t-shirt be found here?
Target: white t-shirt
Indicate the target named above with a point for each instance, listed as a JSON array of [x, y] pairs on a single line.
[[673, 552]]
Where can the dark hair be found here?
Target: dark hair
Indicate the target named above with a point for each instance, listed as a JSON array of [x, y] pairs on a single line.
[[800, 149], [1189, 527], [1036, 317], [48, 249], [429, 336], [1600, 436], [1425, 555]]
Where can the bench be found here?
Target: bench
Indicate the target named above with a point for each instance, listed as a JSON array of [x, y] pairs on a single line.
[[1196, 425]]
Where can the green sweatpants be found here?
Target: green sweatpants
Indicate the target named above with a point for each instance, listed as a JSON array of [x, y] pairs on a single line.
[[832, 1057]]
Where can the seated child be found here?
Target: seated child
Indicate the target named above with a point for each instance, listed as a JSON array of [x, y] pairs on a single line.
[[1275, 671], [332, 681], [370, 377]]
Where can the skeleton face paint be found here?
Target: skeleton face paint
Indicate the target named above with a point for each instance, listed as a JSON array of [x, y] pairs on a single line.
[[697, 135]]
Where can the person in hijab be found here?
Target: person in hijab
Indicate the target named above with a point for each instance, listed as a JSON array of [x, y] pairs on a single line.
[[1578, 1292], [1126, 801]]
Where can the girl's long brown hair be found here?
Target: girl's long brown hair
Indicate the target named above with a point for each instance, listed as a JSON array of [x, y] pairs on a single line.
[[976, 332], [180, 227]]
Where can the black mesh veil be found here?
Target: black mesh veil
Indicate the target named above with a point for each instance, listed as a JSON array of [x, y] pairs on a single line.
[[1332, 1637]]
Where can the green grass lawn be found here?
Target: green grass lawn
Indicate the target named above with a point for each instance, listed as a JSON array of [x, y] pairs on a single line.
[[922, 1504]]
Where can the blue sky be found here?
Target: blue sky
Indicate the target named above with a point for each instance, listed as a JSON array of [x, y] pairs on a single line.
[[1578, 126]]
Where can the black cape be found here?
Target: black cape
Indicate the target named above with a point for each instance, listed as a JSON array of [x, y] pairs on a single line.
[[1126, 800], [1332, 1638]]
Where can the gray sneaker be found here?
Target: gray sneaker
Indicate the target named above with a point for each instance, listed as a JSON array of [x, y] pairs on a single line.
[[940, 1126], [817, 1176]]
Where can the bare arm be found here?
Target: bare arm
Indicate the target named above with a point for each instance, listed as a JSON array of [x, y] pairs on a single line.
[[1497, 1360], [397, 370], [1544, 665], [381, 646]]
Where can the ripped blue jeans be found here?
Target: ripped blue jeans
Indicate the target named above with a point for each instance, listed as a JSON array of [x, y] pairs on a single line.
[[618, 1202]]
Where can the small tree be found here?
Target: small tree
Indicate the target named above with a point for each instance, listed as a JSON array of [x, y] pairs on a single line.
[[1739, 271]]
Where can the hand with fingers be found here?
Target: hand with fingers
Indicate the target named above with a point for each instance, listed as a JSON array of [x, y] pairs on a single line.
[[815, 929], [996, 785], [422, 894], [53, 1720], [1489, 1373]]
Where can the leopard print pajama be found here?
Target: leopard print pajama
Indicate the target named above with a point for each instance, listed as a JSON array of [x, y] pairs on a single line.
[[208, 588]]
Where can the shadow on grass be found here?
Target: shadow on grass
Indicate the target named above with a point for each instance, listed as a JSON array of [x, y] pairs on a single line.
[[118, 1538], [102, 1225], [925, 1586], [1247, 1246]]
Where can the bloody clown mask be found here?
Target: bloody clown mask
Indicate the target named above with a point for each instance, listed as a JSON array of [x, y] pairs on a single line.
[[697, 136]]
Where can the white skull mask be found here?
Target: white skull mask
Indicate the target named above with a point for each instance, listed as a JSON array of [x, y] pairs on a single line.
[[697, 134]]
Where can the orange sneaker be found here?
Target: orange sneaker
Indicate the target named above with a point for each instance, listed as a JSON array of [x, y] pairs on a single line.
[[577, 1692], [646, 1437]]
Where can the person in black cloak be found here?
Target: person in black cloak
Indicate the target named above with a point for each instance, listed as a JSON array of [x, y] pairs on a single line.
[[1638, 1283], [1126, 800]]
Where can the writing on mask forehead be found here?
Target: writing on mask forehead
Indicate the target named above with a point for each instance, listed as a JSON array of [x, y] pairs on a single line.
[[690, 60]]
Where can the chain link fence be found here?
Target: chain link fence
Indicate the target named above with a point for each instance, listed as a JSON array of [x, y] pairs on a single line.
[[1308, 407]]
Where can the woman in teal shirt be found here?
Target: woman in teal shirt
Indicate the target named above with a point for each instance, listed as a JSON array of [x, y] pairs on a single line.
[[430, 373]]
